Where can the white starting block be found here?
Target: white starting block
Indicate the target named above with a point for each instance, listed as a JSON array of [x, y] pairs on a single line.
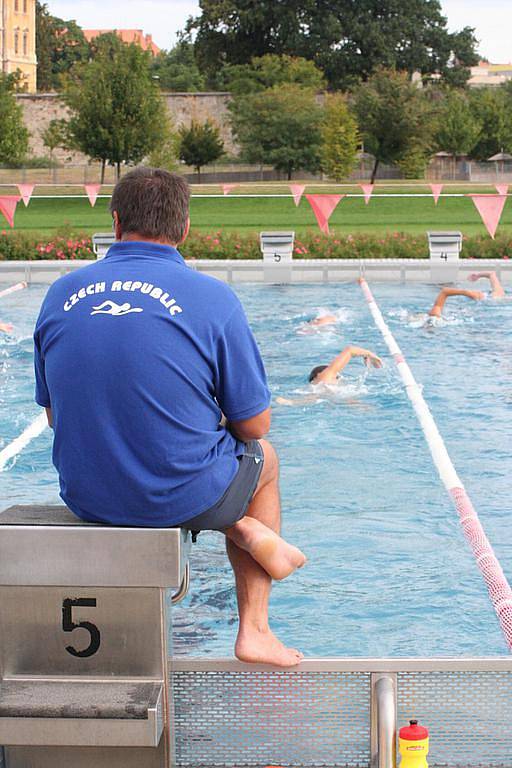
[[101, 242], [277, 250], [84, 628], [445, 248]]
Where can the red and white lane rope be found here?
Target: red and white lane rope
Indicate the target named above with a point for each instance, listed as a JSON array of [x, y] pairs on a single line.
[[17, 445], [492, 572], [12, 289]]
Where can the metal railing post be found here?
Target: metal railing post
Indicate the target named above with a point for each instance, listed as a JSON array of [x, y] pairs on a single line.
[[383, 730]]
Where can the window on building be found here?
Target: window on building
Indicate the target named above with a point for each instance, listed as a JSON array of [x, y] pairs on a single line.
[[24, 6], [25, 42], [16, 41]]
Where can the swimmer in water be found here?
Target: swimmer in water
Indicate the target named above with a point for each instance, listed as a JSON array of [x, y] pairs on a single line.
[[497, 290], [445, 293], [329, 374], [323, 320], [6, 327]]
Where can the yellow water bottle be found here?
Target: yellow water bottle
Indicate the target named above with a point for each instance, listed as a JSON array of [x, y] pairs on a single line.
[[413, 745]]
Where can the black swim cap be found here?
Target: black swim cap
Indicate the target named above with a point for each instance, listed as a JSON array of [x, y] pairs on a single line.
[[314, 373]]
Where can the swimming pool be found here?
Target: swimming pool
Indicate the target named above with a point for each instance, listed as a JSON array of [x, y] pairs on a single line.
[[389, 573]]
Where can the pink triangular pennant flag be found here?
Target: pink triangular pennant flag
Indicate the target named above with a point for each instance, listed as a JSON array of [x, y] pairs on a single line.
[[8, 205], [92, 191], [490, 208], [226, 188], [436, 191], [323, 207], [502, 189], [297, 191], [26, 192], [367, 191]]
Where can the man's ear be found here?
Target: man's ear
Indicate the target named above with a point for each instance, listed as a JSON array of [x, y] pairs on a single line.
[[117, 227], [187, 230]]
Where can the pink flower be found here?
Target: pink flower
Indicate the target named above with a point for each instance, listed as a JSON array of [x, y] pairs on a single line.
[[48, 249], [216, 241]]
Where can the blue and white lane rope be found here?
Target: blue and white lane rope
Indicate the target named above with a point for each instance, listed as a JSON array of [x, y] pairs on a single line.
[[498, 587], [12, 289], [32, 431]]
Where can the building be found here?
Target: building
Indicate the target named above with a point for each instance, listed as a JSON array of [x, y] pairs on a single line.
[[490, 74], [18, 40], [128, 36]]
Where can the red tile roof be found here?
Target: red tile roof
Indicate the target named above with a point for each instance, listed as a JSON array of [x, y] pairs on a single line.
[[136, 36]]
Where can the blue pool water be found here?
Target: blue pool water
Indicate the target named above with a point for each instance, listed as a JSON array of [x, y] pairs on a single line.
[[389, 573]]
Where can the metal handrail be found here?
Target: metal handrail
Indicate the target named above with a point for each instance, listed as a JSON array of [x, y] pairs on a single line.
[[185, 584], [386, 722]]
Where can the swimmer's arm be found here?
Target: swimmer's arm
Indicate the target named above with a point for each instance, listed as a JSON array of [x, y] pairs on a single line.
[[49, 417], [328, 376], [251, 429], [497, 288], [439, 303]]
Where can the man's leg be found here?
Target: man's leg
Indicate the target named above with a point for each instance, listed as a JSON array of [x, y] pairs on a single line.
[[255, 641]]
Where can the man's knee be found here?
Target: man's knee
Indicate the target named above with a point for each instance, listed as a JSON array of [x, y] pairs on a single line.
[[270, 463]]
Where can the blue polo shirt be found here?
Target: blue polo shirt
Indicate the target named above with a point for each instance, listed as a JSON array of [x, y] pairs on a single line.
[[137, 355]]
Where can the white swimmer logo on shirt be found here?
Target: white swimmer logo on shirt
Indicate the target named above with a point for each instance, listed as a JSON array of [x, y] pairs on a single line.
[[111, 308]]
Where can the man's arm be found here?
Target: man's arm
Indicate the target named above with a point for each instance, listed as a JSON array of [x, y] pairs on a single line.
[[328, 376], [49, 417], [437, 309], [251, 429], [497, 288]]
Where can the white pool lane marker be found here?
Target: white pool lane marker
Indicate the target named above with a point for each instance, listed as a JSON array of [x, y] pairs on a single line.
[[492, 572], [17, 445], [12, 289]]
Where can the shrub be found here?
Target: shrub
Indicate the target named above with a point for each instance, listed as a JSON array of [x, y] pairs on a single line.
[[232, 245]]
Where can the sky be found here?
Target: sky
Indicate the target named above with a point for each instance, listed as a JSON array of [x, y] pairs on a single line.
[[492, 19]]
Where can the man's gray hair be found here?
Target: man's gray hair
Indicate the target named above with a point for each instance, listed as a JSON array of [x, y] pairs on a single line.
[[153, 203]]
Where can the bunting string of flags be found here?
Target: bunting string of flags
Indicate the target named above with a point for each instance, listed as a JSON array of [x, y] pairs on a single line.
[[489, 206]]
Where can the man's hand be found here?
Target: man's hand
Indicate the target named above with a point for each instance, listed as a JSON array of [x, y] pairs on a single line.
[[370, 358]]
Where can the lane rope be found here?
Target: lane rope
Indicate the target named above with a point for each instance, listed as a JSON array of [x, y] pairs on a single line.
[[18, 444], [498, 587], [13, 288]]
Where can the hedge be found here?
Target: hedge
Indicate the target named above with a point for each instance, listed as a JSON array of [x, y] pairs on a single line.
[[221, 245]]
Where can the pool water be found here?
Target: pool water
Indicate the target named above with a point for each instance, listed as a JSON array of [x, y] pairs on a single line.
[[389, 573]]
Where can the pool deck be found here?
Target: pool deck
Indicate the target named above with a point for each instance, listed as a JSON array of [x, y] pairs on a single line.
[[298, 271]]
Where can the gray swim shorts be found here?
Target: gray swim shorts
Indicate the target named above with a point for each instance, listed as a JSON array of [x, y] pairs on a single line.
[[233, 504]]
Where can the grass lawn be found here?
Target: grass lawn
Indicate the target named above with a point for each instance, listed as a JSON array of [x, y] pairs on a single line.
[[245, 215]]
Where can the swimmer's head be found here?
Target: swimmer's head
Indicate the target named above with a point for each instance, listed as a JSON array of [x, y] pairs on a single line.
[[314, 373]]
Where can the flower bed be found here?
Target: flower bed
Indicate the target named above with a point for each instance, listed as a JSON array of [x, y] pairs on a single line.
[[223, 245]]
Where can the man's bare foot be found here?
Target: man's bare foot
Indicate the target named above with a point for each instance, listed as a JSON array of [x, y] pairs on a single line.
[[278, 558], [264, 648]]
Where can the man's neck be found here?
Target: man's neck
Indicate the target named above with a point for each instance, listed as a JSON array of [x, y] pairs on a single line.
[[140, 238]]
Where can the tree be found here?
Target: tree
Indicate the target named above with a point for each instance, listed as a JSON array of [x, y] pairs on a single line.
[[60, 44], [55, 135], [347, 40], [458, 128], [340, 138], [269, 70], [177, 70], [13, 134], [118, 115], [395, 117], [492, 108], [200, 145], [279, 126]]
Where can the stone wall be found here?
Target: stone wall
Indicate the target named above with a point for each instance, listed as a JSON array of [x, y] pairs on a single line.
[[41, 108]]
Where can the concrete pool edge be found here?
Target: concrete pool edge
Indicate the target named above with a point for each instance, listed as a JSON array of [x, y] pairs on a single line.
[[299, 271]]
